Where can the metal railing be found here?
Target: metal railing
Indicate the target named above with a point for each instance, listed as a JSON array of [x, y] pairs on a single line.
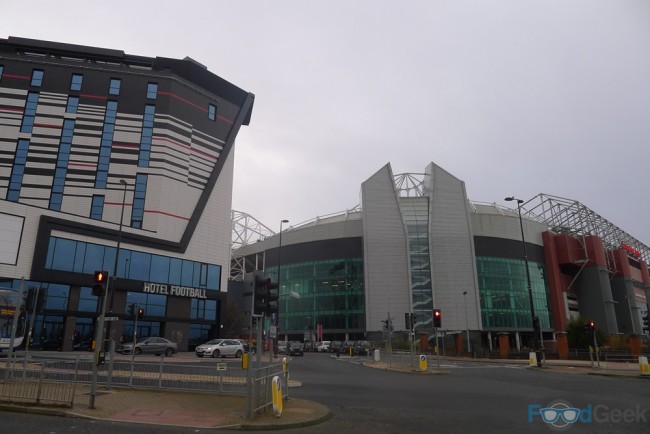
[[39, 381]]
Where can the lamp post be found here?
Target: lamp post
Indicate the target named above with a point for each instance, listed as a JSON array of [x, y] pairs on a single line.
[[535, 320], [99, 333], [469, 350], [276, 321], [111, 282]]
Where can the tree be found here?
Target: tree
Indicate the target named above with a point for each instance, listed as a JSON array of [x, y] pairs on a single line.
[[579, 338]]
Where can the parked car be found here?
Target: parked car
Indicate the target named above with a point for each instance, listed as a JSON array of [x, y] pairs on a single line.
[[283, 347], [323, 346], [295, 349], [310, 346], [362, 348], [220, 348], [152, 345], [247, 348], [335, 346]]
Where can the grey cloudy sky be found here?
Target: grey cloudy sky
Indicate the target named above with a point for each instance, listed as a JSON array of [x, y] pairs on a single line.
[[512, 96]]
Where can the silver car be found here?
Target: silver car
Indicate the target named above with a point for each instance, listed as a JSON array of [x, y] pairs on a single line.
[[220, 348], [150, 345]]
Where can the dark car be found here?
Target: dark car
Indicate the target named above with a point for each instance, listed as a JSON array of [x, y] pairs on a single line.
[[362, 348], [52, 345], [295, 349]]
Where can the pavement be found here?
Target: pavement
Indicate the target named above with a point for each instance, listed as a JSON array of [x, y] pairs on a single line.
[[206, 410], [174, 408]]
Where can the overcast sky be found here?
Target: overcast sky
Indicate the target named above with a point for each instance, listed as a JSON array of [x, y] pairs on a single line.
[[514, 97]]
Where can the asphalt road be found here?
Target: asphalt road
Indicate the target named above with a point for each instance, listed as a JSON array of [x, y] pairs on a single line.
[[470, 398]]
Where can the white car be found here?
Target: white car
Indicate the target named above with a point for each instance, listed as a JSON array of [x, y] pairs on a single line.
[[323, 346], [220, 348]]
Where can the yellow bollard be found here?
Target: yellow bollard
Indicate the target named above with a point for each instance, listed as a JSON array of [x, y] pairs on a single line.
[[533, 359], [643, 365], [244, 361], [423, 362]]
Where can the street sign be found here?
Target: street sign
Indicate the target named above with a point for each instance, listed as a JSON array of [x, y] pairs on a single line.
[[111, 318], [222, 366], [273, 332]]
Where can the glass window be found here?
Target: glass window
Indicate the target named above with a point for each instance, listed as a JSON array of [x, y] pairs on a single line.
[[152, 90], [29, 112], [139, 194], [87, 301], [175, 267], [159, 269], [80, 254], [139, 266], [73, 104], [16, 180], [76, 82], [187, 273], [214, 277], [114, 86], [56, 297], [2, 68], [212, 112], [37, 77], [97, 207], [94, 259], [63, 251], [204, 309]]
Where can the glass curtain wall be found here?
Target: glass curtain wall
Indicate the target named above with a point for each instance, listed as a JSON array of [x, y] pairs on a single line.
[[504, 295], [331, 294], [415, 211]]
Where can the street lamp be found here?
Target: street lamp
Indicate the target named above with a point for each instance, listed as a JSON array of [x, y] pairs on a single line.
[[111, 283], [535, 320], [469, 350], [99, 333], [276, 321]]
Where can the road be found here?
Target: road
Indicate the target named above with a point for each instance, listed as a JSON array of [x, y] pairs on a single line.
[[470, 398]]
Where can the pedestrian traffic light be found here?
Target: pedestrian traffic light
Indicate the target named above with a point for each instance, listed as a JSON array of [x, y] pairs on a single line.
[[99, 288], [590, 326], [437, 318], [140, 313]]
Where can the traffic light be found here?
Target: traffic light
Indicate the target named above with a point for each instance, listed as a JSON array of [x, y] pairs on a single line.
[[590, 326], [101, 279], [140, 313], [265, 299], [437, 318], [536, 324], [645, 323], [259, 293], [272, 297], [414, 319], [132, 310], [408, 320]]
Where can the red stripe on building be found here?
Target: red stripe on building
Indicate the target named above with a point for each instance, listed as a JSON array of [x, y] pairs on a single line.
[[11, 109], [195, 151], [47, 126], [203, 109], [87, 95], [151, 211], [19, 77], [125, 145]]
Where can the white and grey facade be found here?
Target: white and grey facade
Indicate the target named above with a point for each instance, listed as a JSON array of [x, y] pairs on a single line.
[[99, 147]]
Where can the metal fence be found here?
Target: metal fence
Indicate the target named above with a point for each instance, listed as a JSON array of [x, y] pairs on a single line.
[[260, 398], [40, 382]]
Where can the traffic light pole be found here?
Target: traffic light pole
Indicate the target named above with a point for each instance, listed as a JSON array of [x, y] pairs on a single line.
[[99, 333]]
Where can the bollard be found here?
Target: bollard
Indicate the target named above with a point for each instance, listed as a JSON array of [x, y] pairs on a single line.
[[643, 365], [423, 362], [532, 359]]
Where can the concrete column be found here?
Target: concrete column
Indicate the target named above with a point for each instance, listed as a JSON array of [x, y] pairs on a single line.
[[504, 345], [458, 343], [562, 345]]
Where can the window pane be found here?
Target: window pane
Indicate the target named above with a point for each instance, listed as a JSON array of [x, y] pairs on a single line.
[[159, 269], [175, 267], [94, 258], [140, 265], [76, 82], [63, 251]]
